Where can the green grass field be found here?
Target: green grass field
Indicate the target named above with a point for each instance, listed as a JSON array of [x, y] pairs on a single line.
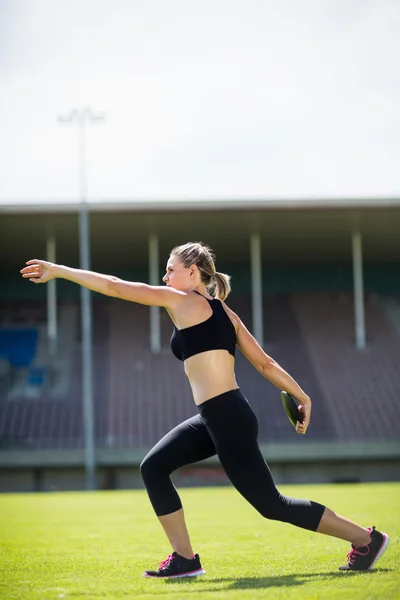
[[97, 545]]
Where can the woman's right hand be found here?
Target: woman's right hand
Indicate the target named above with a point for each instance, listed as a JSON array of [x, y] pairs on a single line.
[[305, 409], [39, 271]]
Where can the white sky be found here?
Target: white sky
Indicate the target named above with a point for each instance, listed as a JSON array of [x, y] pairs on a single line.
[[204, 98]]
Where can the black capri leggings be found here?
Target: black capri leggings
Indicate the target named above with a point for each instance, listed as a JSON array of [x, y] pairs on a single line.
[[228, 427]]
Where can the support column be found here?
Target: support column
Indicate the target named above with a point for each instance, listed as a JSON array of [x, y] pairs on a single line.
[[359, 317], [86, 315], [154, 277], [51, 291], [256, 288], [81, 118], [87, 352]]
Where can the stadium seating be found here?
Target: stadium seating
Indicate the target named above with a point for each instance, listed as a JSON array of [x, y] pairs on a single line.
[[140, 396], [18, 345], [361, 387]]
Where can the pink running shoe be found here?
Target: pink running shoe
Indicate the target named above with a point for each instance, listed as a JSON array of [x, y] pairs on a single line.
[[363, 558], [177, 566]]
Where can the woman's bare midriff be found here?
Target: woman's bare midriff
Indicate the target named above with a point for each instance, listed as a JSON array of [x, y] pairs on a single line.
[[210, 374]]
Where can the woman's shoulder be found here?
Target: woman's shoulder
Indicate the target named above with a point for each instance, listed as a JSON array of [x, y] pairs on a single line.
[[231, 314]]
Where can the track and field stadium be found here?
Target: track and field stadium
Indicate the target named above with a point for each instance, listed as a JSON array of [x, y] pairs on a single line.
[[318, 285], [317, 282]]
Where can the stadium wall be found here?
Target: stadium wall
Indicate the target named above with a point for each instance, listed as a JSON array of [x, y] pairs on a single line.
[[43, 471]]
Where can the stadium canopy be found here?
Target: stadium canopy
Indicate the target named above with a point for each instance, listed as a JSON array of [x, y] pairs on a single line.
[[290, 230]]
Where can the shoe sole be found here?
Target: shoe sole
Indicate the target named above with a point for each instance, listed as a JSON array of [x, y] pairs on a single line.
[[190, 574], [381, 550]]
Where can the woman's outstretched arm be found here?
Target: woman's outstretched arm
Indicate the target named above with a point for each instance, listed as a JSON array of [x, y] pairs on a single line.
[[42, 271]]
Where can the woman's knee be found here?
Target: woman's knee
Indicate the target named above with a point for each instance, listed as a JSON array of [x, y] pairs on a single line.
[[147, 468], [274, 513], [274, 508], [152, 466], [302, 513]]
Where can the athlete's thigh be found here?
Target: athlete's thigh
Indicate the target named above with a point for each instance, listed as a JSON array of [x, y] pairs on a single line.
[[187, 443], [247, 470]]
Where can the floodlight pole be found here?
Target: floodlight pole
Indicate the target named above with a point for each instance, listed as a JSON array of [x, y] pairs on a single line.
[[154, 277], [256, 288], [80, 118], [359, 314], [51, 289]]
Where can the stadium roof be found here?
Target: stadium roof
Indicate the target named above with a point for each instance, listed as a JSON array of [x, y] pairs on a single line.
[[146, 205], [309, 231]]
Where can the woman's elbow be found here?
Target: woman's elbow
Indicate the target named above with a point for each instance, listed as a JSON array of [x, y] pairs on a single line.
[[114, 287], [268, 365]]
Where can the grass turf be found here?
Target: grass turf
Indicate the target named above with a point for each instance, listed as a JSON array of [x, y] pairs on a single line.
[[96, 545]]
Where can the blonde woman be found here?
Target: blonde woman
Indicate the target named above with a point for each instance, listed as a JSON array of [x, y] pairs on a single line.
[[206, 334]]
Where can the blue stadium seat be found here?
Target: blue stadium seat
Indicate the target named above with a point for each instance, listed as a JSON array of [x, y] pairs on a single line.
[[18, 345], [37, 376]]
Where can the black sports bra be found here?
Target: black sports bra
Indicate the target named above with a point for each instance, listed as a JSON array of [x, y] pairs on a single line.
[[216, 333]]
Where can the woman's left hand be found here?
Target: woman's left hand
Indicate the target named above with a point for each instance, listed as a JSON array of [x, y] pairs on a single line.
[[39, 271], [305, 409]]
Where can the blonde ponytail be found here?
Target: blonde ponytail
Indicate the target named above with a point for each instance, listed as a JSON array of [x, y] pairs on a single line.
[[222, 285]]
